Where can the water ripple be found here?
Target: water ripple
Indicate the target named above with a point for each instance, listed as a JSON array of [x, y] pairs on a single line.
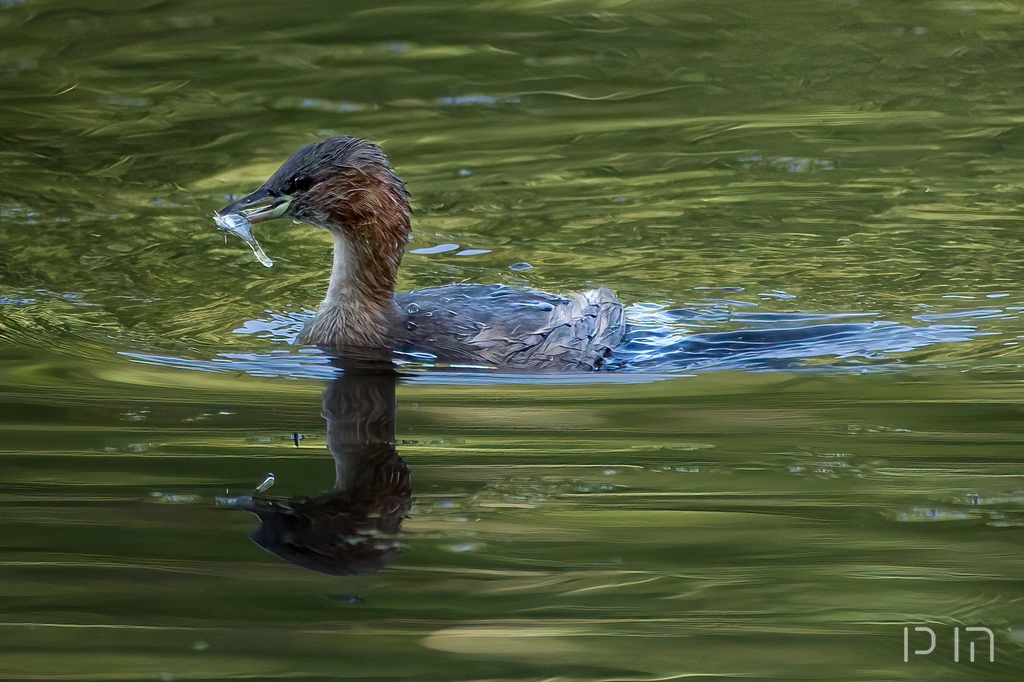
[[659, 341]]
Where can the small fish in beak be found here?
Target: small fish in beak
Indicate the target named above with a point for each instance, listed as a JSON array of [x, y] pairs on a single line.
[[237, 225]]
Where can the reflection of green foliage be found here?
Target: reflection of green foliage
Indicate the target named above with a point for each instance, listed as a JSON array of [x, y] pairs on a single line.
[[860, 159], [746, 524]]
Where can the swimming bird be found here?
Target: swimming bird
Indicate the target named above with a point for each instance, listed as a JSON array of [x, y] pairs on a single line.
[[346, 186]]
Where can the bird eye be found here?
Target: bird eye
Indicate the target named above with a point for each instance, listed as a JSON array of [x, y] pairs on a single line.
[[299, 183]]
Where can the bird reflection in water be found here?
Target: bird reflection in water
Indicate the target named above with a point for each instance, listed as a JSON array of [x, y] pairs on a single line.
[[352, 528]]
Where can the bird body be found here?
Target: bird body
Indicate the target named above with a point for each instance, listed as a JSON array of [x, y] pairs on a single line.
[[345, 185], [511, 328]]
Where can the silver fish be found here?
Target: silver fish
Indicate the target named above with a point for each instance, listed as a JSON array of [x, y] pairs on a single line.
[[236, 224]]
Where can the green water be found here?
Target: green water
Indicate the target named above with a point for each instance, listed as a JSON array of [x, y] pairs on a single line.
[[731, 159]]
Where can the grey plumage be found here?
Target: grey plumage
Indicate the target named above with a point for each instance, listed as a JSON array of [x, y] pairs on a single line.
[[511, 328]]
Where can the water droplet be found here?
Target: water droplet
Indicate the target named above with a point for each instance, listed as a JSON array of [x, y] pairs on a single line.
[[268, 481]]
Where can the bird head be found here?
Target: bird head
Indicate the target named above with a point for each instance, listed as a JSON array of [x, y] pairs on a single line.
[[339, 184]]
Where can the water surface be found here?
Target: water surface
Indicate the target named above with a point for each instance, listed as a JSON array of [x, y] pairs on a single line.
[[812, 441]]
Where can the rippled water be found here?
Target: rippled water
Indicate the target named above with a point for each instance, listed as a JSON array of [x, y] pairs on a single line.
[[811, 441]]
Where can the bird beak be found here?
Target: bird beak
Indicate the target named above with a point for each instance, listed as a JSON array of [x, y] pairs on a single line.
[[259, 206]]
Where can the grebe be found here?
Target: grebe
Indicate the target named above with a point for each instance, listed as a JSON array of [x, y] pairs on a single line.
[[345, 185]]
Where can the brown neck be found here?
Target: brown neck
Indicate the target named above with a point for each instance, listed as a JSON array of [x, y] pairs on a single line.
[[370, 226]]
